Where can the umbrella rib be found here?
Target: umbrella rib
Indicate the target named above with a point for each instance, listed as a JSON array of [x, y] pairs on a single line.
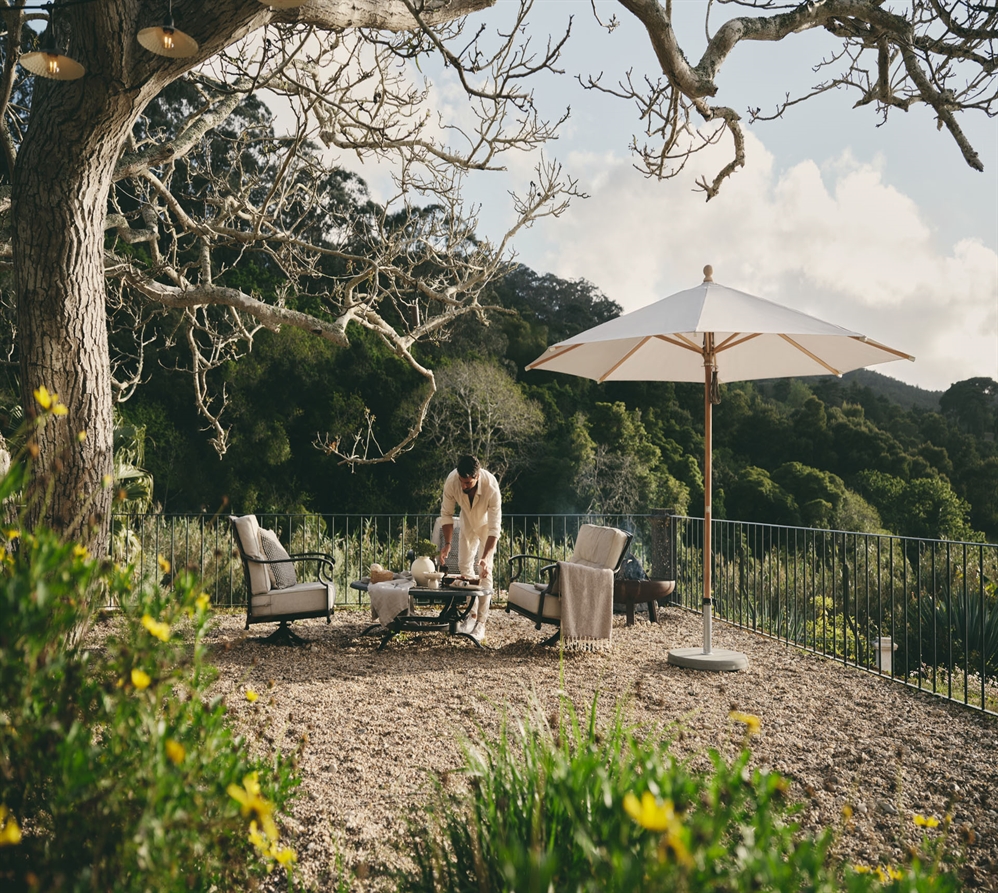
[[730, 342], [681, 341], [552, 356], [805, 351], [897, 353], [623, 359]]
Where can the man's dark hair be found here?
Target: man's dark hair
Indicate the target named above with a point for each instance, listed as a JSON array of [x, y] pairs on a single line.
[[468, 466]]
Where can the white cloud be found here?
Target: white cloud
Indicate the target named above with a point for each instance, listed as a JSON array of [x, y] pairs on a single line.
[[837, 241]]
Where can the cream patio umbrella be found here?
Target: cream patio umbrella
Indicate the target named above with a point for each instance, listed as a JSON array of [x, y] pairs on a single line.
[[708, 333]]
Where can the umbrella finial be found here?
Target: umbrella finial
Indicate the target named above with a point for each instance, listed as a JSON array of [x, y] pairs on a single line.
[[708, 273]]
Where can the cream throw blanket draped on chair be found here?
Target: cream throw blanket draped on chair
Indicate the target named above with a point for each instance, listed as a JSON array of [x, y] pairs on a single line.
[[586, 606]]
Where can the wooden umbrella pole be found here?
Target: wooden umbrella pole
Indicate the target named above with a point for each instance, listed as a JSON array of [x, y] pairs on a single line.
[[708, 369]]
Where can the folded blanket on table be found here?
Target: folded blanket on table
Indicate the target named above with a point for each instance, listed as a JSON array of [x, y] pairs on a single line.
[[389, 599], [586, 606]]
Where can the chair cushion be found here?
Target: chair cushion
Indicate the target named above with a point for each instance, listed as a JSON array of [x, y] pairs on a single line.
[[248, 531], [302, 598], [525, 596], [281, 575], [598, 546]]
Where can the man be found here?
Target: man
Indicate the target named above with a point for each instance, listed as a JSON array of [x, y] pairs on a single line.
[[475, 492]]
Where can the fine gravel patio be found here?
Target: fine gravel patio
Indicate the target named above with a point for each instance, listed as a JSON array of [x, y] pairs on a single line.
[[371, 727]]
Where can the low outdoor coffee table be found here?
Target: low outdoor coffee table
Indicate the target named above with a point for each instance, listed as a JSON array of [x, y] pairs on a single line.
[[452, 606]]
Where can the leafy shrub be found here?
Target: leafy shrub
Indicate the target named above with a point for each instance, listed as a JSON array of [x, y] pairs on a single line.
[[116, 772], [561, 805]]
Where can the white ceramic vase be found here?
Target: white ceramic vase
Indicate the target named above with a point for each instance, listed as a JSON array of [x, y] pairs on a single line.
[[422, 566]]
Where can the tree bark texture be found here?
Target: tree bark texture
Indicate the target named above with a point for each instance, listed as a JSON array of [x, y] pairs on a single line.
[[60, 193]]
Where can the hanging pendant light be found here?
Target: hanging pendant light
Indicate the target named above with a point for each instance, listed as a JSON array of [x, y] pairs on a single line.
[[49, 62], [167, 40], [283, 4]]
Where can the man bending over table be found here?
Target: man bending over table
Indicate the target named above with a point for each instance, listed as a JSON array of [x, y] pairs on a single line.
[[475, 492]]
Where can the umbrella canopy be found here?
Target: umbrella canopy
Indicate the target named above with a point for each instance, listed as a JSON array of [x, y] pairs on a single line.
[[751, 338], [710, 333]]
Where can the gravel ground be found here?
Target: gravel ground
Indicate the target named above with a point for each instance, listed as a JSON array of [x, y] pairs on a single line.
[[372, 726]]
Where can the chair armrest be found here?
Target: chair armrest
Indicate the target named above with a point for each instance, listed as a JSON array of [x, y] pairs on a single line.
[[325, 564], [520, 561]]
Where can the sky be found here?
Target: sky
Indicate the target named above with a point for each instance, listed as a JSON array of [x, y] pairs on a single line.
[[884, 230]]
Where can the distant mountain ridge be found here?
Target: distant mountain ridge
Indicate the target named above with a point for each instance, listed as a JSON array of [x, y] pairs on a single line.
[[905, 395]]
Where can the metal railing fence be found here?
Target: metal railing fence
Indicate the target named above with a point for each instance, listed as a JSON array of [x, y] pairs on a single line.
[[924, 612]]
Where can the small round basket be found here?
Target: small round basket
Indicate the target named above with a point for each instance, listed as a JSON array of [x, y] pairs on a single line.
[[382, 576]]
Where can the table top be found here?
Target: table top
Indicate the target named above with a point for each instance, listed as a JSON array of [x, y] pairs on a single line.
[[425, 590]]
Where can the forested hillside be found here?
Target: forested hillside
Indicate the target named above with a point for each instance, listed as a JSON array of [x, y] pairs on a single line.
[[862, 453], [819, 452]]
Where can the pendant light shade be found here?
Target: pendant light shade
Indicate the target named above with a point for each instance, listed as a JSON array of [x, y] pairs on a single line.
[[50, 63], [283, 4], [167, 40]]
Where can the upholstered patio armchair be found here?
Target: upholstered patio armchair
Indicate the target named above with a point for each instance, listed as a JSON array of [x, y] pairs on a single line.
[[597, 549], [274, 593]]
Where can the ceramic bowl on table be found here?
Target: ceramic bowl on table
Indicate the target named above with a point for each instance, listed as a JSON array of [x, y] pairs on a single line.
[[433, 579]]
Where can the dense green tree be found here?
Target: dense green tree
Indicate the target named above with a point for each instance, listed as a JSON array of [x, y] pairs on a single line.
[[755, 496], [818, 494], [981, 489], [926, 507], [623, 471], [974, 405]]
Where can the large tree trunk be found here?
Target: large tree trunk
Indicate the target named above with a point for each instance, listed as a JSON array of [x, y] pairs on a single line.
[[60, 191]]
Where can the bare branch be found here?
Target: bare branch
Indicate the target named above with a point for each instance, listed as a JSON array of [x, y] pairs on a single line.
[[936, 52], [217, 187]]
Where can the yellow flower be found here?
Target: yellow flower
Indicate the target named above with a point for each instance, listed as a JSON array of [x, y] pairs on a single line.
[[12, 534], [203, 601], [268, 846], [164, 565], [80, 551], [648, 813], [256, 838], [10, 831], [251, 695], [847, 812], [156, 628], [895, 874], [140, 679], [49, 402], [252, 804], [175, 751], [655, 816], [44, 398], [751, 721], [924, 822], [82, 436], [107, 480]]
